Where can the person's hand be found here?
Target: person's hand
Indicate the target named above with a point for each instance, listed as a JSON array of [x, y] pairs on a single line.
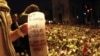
[[24, 28]]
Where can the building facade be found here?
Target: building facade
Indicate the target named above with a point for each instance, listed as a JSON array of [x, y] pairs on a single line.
[[61, 11]]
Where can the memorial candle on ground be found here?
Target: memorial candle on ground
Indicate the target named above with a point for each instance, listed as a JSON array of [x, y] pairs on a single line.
[[36, 33]]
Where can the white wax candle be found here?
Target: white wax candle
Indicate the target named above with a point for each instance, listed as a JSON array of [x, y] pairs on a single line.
[[36, 32]]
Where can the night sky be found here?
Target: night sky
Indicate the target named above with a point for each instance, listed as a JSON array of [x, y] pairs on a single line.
[[18, 6]]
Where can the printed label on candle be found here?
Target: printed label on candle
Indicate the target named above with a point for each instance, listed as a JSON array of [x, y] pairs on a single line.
[[36, 33], [38, 45]]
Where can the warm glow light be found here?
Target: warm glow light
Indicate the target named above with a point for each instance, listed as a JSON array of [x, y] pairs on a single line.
[[88, 10]]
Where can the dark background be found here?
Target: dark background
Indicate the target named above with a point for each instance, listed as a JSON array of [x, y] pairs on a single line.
[[18, 6], [77, 7]]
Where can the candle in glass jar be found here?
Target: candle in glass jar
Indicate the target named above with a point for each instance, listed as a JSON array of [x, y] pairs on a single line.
[[36, 33]]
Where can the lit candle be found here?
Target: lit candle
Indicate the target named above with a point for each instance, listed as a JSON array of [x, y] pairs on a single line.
[[37, 35]]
